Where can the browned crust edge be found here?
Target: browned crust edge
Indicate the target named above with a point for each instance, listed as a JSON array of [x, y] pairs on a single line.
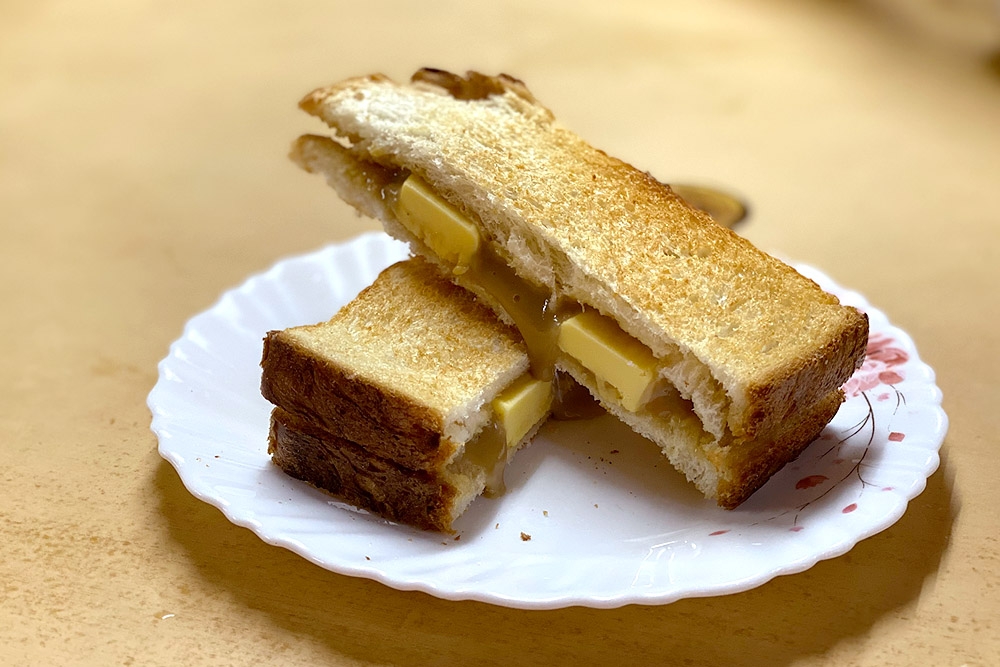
[[350, 473], [753, 464], [352, 409], [809, 381]]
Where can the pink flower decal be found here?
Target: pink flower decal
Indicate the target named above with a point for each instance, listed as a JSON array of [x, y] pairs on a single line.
[[883, 361], [810, 481], [896, 436], [890, 377], [850, 508]]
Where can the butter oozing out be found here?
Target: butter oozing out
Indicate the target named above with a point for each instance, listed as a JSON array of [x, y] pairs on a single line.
[[521, 406], [517, 409], [437, 223], [528, 306], [595, 341], [613, 356]]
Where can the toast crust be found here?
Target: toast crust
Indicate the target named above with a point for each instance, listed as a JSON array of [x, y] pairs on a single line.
[[404, 369], [751, 463], [421, 498], [396, 426]]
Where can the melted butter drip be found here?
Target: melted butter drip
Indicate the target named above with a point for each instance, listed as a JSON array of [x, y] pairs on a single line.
[[530, 307], [488, 451], [573, 400]]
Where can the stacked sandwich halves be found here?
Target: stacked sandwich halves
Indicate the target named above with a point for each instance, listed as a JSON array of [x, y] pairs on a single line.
[[725, 357], [409, 411]]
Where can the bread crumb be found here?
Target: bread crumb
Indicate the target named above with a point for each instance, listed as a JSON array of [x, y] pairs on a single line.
[[525, 537], [545, 512]]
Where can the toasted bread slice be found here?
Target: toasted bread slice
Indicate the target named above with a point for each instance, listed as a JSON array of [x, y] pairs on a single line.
[[391, 404], [739, 339]]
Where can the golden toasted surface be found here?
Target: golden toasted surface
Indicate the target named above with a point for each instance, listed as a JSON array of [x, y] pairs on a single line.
[[404, 370], [416, 335]]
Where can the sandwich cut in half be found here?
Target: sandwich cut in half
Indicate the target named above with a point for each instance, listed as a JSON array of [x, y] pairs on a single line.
[[727, 358], [408, 403]]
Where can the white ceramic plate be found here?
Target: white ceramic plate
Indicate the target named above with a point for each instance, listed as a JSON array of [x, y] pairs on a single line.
[[593, 515]]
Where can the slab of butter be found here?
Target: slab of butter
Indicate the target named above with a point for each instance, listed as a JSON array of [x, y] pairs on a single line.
[[612, 355], [522, 405], [437, 223]]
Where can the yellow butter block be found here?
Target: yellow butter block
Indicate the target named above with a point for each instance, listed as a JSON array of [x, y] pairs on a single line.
[[437, 223], [612, 355], [522, 405]]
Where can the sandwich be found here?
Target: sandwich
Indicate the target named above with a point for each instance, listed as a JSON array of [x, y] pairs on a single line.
[[725, 357], [408, 403]]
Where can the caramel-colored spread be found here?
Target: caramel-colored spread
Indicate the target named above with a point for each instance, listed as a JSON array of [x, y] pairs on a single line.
[[548, 328], [530, 307], [516, 410], [489, 451], [573, 400]]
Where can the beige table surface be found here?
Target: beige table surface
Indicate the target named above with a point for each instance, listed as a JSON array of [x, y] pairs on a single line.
[[143, 172]]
